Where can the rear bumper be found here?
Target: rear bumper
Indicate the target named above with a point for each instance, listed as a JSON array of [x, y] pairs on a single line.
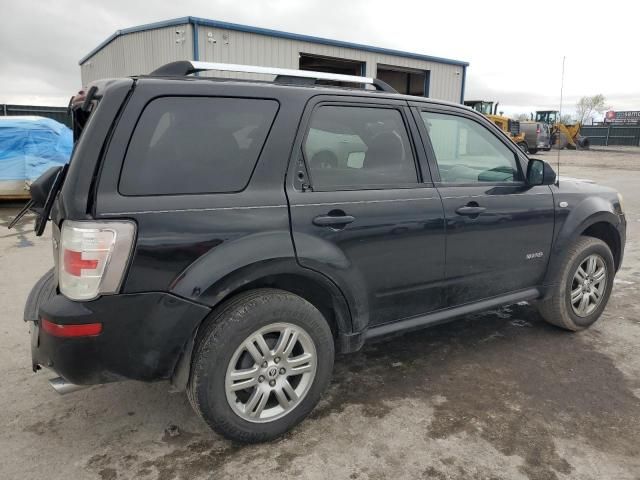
[[143, 336]]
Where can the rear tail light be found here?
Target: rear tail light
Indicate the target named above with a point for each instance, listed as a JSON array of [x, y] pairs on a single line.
[[92, 257], [538, 130]]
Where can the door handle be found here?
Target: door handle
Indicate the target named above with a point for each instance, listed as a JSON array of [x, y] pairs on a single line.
[[470, 210], [332, 220]]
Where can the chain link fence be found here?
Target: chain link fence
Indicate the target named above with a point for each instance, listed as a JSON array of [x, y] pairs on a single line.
[[612, 134]]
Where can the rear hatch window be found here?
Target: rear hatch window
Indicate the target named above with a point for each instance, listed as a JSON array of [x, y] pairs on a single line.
[[187, 145]]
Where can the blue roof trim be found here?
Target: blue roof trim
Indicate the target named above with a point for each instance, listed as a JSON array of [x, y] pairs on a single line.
[[271, 33]]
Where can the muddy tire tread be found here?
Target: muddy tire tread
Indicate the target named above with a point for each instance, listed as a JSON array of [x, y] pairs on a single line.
[[229, 316], [554, 308]]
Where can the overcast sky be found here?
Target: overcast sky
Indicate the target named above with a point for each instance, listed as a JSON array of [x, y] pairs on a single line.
[[515, 48]]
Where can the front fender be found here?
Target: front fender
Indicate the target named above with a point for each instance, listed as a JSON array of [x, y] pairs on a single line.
[[571, 223]]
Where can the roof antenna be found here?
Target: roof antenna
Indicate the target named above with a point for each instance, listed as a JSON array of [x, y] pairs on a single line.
[[558, 120]]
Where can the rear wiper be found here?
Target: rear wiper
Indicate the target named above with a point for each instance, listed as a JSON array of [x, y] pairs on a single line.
[[21, 214]]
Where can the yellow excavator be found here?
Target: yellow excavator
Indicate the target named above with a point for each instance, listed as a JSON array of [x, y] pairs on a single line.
[[562, 135], [508, 126]]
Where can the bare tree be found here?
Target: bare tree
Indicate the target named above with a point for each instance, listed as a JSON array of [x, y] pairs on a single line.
[[523, 117], [567, 119], [587, 107]]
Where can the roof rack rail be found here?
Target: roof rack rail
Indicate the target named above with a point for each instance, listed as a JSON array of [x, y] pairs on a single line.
[[186, 67]]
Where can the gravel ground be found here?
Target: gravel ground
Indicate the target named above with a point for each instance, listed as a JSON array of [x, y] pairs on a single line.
[[499, 395]]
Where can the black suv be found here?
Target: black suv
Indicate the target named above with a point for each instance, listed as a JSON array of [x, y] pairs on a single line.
[[232, 236]]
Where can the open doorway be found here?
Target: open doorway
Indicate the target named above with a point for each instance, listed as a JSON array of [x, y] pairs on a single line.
[[405, 80], [342, 66]]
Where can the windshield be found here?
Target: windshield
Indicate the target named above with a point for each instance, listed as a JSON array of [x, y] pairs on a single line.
[[547, 117], [486, 108]]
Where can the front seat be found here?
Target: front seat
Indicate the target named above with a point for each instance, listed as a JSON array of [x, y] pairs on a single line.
[[386, 148], [386, 159], [324, 159]]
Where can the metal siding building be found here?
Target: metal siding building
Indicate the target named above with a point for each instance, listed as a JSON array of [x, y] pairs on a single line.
[[139, 50]]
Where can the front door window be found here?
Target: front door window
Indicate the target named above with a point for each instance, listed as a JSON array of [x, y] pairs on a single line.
[[467, 152]]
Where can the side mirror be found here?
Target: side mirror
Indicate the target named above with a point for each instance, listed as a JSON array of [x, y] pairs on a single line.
[[540, 172]]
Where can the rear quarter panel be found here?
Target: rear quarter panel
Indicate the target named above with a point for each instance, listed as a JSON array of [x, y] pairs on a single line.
[[74, 200], [185, 243]]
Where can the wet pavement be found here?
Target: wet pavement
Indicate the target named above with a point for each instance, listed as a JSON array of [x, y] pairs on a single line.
[[497, 395]]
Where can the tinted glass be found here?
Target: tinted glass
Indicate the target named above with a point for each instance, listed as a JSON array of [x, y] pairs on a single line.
[[468, 152], [358, 146], [196, 145]]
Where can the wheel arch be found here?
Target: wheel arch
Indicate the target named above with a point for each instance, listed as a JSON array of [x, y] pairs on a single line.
[[609, 234], [587, 219], [283, 274]]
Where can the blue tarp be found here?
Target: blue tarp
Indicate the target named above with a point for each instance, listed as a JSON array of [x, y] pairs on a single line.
[[31, 145]]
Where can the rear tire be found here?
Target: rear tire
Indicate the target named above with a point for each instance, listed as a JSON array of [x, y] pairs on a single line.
[[225, 359], [524, 147], [564, 307], [583, 143]]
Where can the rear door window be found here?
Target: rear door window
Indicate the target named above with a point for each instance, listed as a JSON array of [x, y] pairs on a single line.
[[187, 145], [359, 147]]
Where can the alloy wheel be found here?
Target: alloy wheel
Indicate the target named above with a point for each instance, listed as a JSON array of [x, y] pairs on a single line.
[[271, 372], [588, 285]]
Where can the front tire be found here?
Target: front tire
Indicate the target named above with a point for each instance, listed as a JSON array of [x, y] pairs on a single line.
[[260, 365], [583, 286]]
